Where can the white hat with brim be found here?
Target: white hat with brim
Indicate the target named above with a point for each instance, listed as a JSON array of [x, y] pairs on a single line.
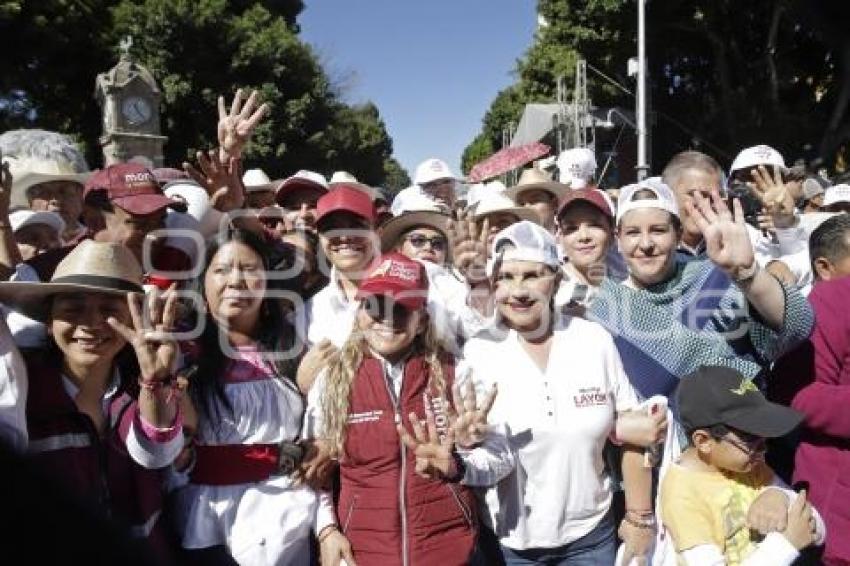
[[301, 179], [493, 203], [22, 218], [91, 267], [431, 170], [758, 155], [396, 227], [535, 179], [256, 181], [28, 172], [836, 194]]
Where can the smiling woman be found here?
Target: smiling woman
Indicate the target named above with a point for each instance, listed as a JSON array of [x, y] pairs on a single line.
[[101, 394]]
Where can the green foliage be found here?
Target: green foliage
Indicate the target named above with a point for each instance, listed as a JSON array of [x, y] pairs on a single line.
[[724, 74], [197, 50], [395, 176], [479, 150]]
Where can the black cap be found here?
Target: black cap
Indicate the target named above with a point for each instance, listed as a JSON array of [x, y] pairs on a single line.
[[714, 395]]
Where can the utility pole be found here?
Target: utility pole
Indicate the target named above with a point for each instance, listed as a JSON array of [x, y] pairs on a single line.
[[642, 163]]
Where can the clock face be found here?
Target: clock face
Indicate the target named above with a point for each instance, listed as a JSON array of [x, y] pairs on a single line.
[[136, 110]]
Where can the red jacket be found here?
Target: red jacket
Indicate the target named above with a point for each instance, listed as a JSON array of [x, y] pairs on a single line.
[[390, 514], [63, 443]]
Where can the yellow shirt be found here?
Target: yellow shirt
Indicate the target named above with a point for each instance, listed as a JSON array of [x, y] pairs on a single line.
[[699, 508]]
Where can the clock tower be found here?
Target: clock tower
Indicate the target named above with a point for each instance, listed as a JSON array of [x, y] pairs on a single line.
[[129, 100]]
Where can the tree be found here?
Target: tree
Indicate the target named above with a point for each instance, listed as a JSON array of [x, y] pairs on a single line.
[[395, 176], [196, 51], [724, 74]]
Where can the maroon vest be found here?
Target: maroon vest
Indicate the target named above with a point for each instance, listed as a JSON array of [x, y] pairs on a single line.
[[384, 508], [97, 470]]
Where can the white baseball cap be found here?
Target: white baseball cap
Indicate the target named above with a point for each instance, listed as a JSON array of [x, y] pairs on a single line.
[[25, 217], [256, 180], [197, 204], [431, 170], [836, 194], [523, 241], [664, 198], [576, 167], [758, 155]]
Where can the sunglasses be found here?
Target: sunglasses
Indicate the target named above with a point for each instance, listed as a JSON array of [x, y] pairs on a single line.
[[418, 241]]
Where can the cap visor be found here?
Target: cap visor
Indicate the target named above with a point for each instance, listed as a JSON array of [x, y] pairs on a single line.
[[31, 299], [767, 421], [293, 185], [411, 299], [147, 204]]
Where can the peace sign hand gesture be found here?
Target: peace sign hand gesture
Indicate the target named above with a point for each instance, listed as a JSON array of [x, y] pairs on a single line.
[[236, 126], [155, 349], [469, 246], [434, 458], [468, 420], [726, 239]]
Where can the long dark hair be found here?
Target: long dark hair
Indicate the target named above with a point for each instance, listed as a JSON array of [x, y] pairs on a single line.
[[274, 333]]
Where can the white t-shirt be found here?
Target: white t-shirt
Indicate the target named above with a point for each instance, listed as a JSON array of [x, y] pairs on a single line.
[[557, 423]]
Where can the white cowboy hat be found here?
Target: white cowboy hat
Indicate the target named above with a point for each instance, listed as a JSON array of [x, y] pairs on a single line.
[[535, 179], [25, 217], [256, 180], [30, 171], [493, 202], [91, 267]]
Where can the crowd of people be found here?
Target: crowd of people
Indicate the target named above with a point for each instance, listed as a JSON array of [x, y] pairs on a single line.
[[233, 369]]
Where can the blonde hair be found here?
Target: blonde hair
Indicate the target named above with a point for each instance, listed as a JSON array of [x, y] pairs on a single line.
[[336, 397]]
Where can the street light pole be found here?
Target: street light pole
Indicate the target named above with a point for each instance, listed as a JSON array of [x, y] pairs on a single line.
[[642, 164]]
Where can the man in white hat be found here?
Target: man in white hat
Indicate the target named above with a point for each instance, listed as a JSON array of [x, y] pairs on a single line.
[[48, 172], [259, 189], [437, 181], [535, 190], [299, 194], [577, 167], [36, 232], [500, 212]]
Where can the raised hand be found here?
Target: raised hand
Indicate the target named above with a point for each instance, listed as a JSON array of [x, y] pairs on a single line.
[[434, 458], [236, 126], [726, 239], [774, 195], [469, 246], [468, 419], [221, 179], [155, 350]]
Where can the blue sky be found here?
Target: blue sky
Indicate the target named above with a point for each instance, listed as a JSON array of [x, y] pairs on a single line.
[[432, 67]]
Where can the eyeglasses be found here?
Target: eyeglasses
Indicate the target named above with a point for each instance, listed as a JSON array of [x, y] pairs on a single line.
[[418, 241], [746, 443]]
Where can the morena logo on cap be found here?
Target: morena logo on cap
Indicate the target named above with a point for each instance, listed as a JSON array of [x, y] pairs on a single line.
[[390, 268], [140, 177], [763, 152]]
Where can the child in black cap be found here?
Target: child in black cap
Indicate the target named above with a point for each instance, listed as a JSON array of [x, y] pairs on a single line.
[[707, 494]]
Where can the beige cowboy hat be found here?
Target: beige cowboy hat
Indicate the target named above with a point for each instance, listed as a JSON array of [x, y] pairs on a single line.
[[494, 202], [397, 226], [30, 171], [91, 267], [535, 179]]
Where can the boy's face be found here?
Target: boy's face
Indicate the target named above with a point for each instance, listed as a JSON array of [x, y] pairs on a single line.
[[733, 451]]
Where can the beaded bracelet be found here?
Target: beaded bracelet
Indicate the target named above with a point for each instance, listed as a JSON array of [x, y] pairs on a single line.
[[640, 524]]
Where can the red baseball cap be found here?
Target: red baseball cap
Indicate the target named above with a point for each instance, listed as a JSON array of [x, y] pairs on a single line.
[[398, 277], [346, 198], [131, 187], [594, 197]]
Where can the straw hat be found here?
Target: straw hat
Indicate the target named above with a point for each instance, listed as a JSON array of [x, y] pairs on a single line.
[[535, 179], [91, 267], [494, 202], [256, 180], [394, 228], [31, 171]]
